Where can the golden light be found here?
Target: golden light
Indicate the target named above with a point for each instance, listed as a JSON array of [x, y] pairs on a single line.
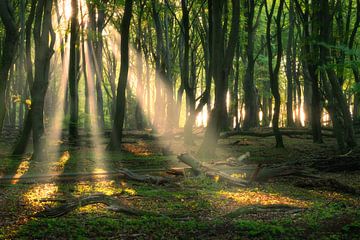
[[40, 191], [22, 169], [60, 164], [250, 197], [67, 11]]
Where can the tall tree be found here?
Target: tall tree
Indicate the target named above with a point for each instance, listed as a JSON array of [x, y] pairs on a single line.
[[73, 73], [325, 20], [289, 67], [43, 53], [116, 134], [274, 71], [222, 59], [23, 140], [8, 52], [250, 94]]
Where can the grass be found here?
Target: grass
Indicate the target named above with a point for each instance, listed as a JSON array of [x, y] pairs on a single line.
[[194, 208]]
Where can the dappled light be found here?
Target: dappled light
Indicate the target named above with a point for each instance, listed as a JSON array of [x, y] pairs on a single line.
[[184, 119], [245, 198], [22, 169], [34, 197]]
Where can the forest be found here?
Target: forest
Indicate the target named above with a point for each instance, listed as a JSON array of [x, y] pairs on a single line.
[[188, 119]]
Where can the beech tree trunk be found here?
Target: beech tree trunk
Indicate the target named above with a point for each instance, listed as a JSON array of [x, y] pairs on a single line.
[[73, 72], [274, 71], [43, 53], [116, 134], [8, 53], [221, 61]]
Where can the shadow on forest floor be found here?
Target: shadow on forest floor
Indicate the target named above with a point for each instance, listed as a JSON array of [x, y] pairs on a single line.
[[208, 209]]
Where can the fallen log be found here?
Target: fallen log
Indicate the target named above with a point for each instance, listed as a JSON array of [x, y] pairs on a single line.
[[112, 204], [348, 162], [143, 178], [329, 184], [209, 171], [272, 208], [81, 176], [289, 133]]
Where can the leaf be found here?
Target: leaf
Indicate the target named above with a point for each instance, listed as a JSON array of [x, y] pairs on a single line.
[[28, 103]]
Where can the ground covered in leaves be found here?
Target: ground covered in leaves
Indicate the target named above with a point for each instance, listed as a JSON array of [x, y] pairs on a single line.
[[190, 207]]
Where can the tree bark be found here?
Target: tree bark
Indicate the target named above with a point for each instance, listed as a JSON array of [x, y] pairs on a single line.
[[221, 61], [43, 53], [274, 71], [250, 95], [8, 52], [116, 134], [73, 72]]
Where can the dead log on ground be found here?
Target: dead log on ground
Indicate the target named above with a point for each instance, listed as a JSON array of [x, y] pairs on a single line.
[[273, 208], [348, 162], [66, 177], [209, 171], [325, 184], [289, 133], [112, 204]]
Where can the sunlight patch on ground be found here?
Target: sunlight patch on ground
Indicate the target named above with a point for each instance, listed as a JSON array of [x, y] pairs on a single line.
[[60, 164], [247, 197], [22, 169], [38, 192], [105, 187]]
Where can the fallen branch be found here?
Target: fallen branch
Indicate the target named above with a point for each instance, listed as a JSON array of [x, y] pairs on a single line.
[[209, 171], [289, 133], [143, 178], [326, 184], [276, 208], [65, 177], [112, 203]]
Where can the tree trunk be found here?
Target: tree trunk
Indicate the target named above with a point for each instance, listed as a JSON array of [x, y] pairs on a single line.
[[250, 95], [116, 134], [73, 72], [8, 53], [43, 53], [289, 68], [274, 72], [222, 61], [21, 144]]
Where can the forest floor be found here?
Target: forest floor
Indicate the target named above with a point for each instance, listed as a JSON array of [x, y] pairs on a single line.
[[189, 207]]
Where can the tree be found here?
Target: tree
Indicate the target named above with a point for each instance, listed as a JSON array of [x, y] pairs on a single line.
[[23, 140], [43, 53], [289, 67], [73, 73], [250, 95], [8, 52], [116, 134], [222, 59], [274, 71]]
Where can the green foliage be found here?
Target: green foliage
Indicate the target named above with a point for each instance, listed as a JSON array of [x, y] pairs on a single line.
[[355, 88], [92, 227], [262, 229]]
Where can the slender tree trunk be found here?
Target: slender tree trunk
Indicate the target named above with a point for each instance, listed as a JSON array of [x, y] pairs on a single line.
[[222, 61], [99, 65], [250, 95], [43, 53], [289, 68], [73, 72], [139, 67], [274, 72], [21, 144], [8, 52], [116, 134]]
